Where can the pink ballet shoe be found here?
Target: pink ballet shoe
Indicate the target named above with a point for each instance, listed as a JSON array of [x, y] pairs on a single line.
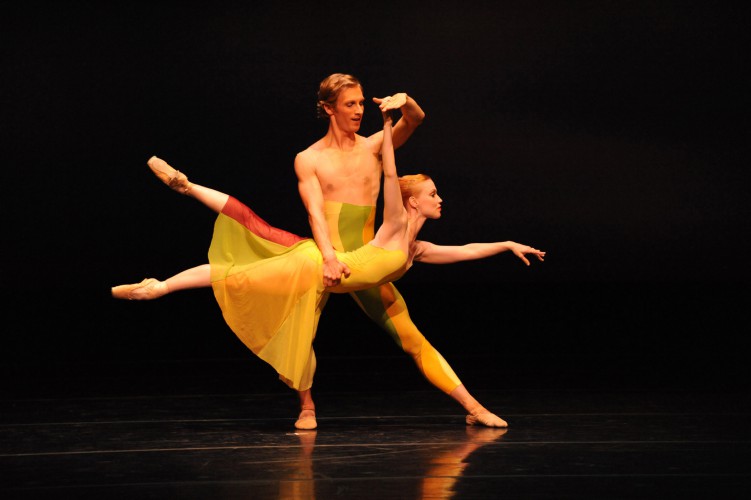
[[168, 175], [307, 422], [148, 289], [481, 416]]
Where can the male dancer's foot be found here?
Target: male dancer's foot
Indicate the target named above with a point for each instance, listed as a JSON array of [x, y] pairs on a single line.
[[481, 416], [307, 418], [478, 414]]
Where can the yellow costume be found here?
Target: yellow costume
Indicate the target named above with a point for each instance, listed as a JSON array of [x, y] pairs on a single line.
[[351, 226], [268, 284]]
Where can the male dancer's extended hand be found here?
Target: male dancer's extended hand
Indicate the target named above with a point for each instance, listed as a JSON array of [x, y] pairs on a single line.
[[391, 102]]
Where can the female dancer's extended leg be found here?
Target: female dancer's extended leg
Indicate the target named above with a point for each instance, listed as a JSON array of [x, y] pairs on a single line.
[[196, 277], [200, 276]]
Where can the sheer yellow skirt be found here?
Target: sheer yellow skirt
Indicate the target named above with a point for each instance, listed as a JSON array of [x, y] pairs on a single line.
[[268, 285]]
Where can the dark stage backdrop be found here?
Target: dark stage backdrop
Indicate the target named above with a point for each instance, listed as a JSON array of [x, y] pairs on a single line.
[[613, 135]]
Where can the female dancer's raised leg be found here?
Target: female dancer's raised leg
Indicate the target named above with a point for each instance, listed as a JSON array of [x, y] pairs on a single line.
[[196, 277], [176, 180], [199, 276]]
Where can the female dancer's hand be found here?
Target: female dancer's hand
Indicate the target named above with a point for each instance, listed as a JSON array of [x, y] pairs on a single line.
[[522, 250]]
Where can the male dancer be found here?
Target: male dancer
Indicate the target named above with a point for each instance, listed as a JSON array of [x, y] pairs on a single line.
[[339, 179]]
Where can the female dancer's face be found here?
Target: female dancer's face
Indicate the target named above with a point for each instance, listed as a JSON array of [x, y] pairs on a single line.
[[428, 201]]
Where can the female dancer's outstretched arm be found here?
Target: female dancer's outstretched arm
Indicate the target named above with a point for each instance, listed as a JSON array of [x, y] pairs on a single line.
[[430, 253]]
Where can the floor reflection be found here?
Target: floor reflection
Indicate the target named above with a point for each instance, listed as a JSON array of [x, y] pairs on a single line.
[[447, 468], [439, 468], [301, 484]]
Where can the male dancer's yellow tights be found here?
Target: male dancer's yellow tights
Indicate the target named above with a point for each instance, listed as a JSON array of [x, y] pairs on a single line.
[[350, 227]]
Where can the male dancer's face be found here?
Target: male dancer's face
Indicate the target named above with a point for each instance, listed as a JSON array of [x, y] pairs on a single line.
[[349, 109]]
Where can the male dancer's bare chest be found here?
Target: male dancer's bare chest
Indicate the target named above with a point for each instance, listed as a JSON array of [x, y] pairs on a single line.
[[350, 177]]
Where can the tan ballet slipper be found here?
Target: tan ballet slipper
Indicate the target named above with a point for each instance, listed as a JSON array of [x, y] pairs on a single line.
[[148, 289], [168, 175], [307, 422], [481, 416]]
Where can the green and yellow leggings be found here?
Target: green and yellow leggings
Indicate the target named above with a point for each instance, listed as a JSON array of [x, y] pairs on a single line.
[[350, 227]]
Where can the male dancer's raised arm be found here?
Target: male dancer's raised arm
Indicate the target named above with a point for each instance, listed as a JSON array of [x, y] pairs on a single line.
[[412, 116], [343, 165]]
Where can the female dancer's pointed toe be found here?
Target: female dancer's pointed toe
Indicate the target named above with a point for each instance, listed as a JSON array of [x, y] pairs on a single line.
[[168, 175], [148, 289]]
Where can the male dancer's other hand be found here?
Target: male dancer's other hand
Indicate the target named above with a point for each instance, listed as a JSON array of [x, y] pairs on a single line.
[[388, 103], [333, 270]]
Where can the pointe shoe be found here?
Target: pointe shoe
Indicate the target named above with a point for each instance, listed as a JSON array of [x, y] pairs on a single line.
[[168, 175], [308, 422], [484, 417], [148, 289]]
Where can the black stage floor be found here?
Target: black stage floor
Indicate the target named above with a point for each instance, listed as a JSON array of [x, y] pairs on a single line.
[[223, 428], [620, 392]]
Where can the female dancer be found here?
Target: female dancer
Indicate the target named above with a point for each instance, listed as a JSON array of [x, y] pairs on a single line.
[[268, 281]]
